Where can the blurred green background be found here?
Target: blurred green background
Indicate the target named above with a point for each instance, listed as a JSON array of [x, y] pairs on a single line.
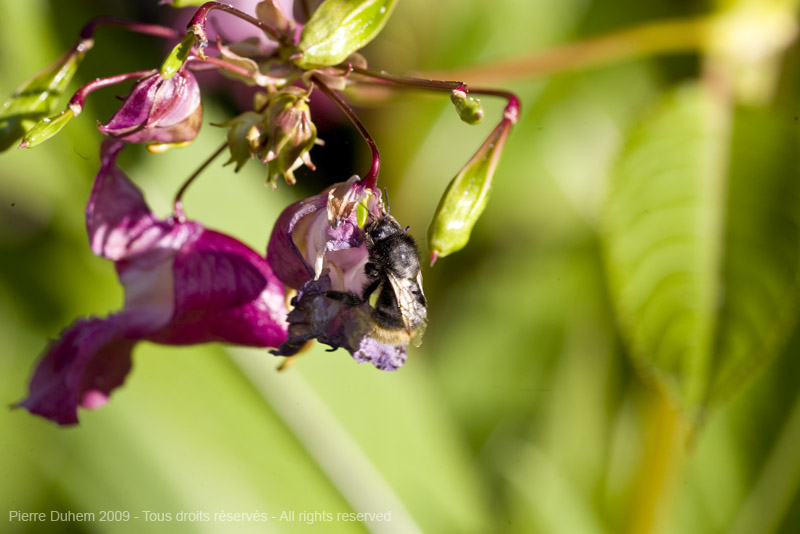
[[523, 410]]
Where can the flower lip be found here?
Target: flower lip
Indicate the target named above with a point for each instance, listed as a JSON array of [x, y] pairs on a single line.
[[319, 248], [184, 284]]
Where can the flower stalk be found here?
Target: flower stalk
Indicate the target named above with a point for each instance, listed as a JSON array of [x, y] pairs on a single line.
[[198, 23], [155, 30], [673, 36], [370, 180]]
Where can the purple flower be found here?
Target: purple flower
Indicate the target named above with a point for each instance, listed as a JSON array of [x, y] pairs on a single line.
[[319, 247], [159, 111], [184, 284]]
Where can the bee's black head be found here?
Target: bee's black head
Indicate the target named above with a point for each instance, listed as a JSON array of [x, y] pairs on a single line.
[[383, 228]]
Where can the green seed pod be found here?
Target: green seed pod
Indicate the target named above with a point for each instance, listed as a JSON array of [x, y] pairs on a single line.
[[46, 128], [340, 27], [465, 198], [469, 109]]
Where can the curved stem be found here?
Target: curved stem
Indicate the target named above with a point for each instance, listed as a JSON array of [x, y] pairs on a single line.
[[371, 178], [511, 111], [178, 208], [147, 29], [221, 64], [198, 23], [680, 35], [79, 98]]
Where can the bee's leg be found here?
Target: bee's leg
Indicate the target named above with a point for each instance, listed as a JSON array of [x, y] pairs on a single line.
[[370, 289]]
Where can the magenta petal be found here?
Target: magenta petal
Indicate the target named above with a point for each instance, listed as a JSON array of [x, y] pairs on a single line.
[[136, 108], [183, 284], [283, 255], [117, 213], [224, 291], [177, 98], [158, 110], [82, 368]]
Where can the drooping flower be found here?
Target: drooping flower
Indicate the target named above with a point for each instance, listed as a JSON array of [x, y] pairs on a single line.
[[319, 247], [184, 284], [159, 110]]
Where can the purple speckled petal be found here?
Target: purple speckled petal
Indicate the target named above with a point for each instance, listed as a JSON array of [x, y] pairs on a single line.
[[384, 357]]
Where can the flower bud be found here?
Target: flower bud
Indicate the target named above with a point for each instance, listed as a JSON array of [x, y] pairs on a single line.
[[469, 109], [465, 198], [159, 110], [291, 134], [340, 27], [244, 137]]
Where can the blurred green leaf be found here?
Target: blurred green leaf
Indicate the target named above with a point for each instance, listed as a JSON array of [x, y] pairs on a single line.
[[702, 244], [761, 272], [39, 96], [340, 27]]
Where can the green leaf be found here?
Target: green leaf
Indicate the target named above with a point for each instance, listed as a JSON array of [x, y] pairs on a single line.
[[703, 245], [38, 97], [761, 272], [340, 27]]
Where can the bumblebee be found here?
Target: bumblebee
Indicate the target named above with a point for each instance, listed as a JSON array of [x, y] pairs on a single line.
[[394, 283]]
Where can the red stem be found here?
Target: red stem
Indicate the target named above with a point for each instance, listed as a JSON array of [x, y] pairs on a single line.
[[511, 110], [220, 64], [148, 29], [178, 206], [371, 178], [79, 98], [198, 22]]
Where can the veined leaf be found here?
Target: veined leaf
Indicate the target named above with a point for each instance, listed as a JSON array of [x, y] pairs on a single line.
[[761, 271], [340, 27], [701, 236]]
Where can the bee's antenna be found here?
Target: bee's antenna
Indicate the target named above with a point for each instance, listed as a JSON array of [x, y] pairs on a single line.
[[386, 196]]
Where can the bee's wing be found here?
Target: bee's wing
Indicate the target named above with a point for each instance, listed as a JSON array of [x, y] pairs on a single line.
[[411, 302]]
